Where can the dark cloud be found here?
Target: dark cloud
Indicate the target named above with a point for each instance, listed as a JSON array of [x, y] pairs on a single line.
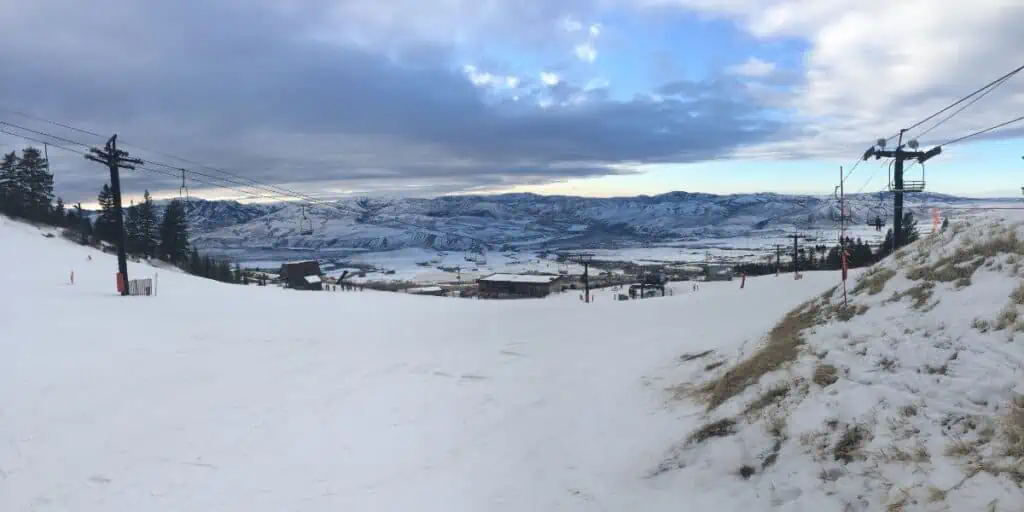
[[248, 88]]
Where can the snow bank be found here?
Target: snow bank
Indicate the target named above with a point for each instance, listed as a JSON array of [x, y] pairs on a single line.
[[221, 397], [908, 398]]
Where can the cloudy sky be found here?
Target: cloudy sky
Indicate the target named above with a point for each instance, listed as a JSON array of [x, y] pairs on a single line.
[[588, 97]]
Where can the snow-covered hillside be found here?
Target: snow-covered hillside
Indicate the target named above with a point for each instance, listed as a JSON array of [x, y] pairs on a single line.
[[775, 396], [221, 397], [909, 398], [528, 221]]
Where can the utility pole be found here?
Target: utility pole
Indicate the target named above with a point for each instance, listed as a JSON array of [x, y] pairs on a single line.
[[115, 160], [843, 217], [585, 260], [897, 185], [778, 258], [796, 253]]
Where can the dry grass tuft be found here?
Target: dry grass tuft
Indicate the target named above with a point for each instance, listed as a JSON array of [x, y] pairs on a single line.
[[825, 375], [1013, 428], [720, 428], [920, 293], [893, 453], [1018, 295], [712, 366], [961, 448], [874, 281], [845, 314], [769, 397], [783, 346], [1007, 317], [981, 325], [697, 355], [968, 258], [849, 446]]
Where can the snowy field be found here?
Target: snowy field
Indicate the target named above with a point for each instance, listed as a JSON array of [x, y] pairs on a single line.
[[408, 264], [220, 397], [428, 266]]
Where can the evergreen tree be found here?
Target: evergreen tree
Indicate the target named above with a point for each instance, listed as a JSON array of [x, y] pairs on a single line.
[[37, 181], [945, 223], [910, 232], [173, 244], [11, 191], [224, 273], [148, 234], [60, 217], [833, 261], [132, 234], [195, 265], [886, 248], [106, 223], [78, 221]]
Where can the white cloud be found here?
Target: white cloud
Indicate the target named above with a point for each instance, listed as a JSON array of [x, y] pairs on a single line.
[[595, 30], [485, 79], [571, 25], [753, 68], [586, 52], [549, 78], [874, 66]]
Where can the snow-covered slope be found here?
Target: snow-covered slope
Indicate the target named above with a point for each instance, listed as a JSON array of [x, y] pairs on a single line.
[[909, 398], [220, 397], [526, 220]]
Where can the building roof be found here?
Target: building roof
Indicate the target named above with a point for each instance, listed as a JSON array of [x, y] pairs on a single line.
[[520, 278], [426, 289], [312, 279]]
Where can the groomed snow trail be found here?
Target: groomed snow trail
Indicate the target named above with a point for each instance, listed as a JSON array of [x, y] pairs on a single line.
[[221, 397]]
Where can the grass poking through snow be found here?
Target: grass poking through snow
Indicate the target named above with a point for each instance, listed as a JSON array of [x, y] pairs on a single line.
[[783, 346], [874, 281]]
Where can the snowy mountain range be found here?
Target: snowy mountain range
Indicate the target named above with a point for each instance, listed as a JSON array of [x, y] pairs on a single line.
[[529, 221]]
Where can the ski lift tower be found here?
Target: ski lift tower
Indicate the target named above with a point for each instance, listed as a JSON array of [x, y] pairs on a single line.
[[585, 260], [897, 185]]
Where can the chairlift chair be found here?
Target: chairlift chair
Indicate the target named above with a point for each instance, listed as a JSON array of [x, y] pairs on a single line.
[[305, 224], [909, 186]]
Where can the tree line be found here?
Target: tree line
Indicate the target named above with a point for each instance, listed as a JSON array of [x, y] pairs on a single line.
[[823, 257], [26, 192]]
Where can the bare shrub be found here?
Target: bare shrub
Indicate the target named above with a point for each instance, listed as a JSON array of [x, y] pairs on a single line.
[[920, 294]]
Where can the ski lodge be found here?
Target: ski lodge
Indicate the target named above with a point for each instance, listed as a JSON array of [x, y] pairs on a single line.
[[519, 285]]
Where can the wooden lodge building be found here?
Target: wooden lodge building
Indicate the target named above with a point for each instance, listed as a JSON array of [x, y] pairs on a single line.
[[519, 285]]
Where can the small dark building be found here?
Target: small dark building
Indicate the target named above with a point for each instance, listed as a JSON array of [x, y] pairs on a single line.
[[302, 275], [518, 285]]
